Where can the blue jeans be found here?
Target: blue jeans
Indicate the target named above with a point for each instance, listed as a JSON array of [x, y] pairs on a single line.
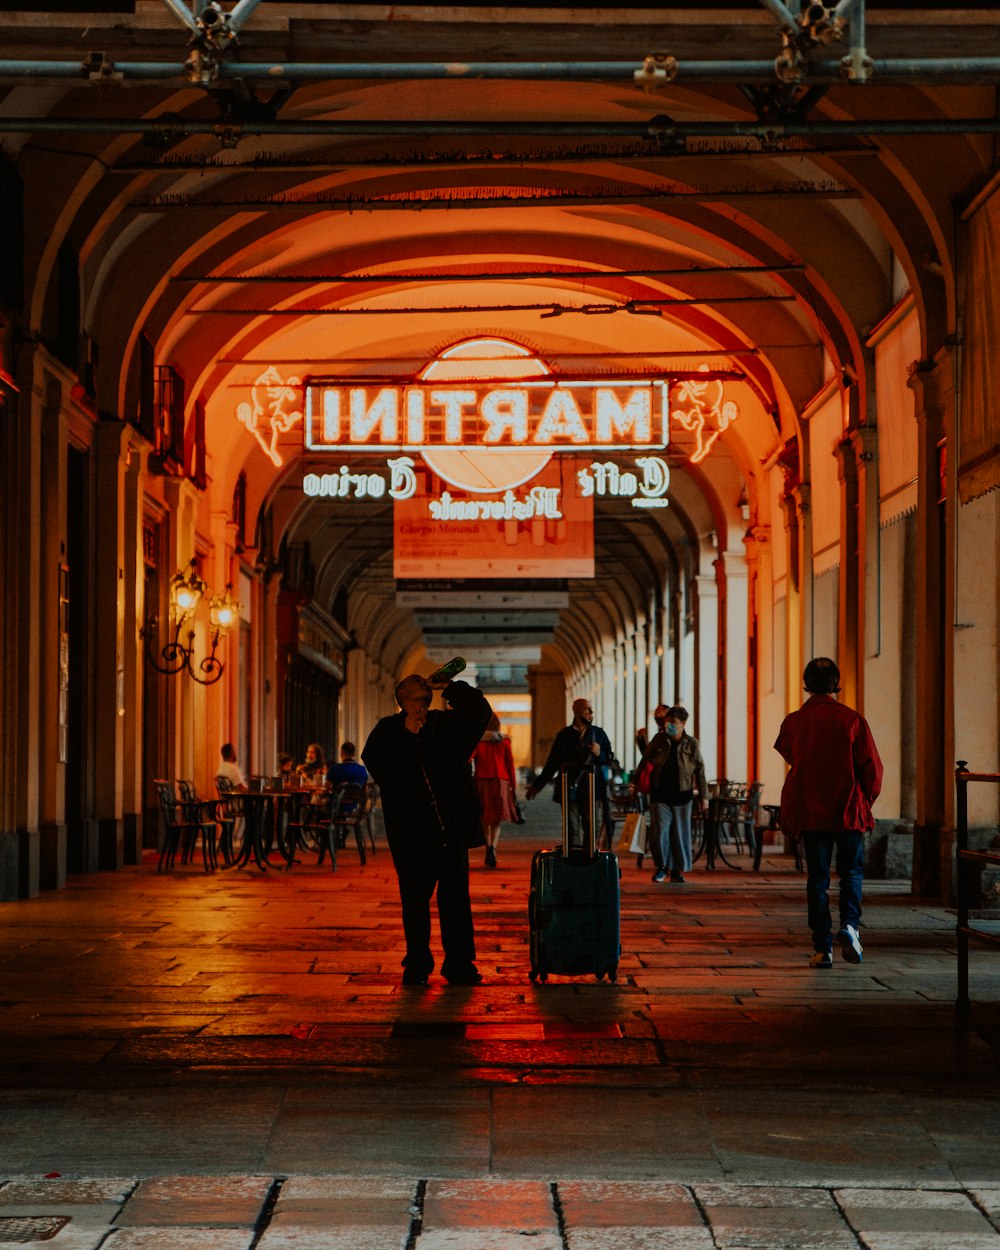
[[819, 848], [670, 840]]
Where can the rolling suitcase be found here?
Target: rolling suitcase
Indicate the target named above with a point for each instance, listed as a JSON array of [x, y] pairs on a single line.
[[573, 908]]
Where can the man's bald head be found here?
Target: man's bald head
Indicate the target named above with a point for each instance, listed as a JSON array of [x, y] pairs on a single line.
[[583, 713], [413, 689]]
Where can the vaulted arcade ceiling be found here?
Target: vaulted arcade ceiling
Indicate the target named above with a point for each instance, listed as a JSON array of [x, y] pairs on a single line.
[[353, 190]]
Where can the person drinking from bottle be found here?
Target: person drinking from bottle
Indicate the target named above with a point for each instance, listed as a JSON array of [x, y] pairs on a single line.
[[419, 758]]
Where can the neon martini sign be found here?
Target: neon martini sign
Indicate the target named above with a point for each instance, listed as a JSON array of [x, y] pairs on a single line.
[[486, 417]]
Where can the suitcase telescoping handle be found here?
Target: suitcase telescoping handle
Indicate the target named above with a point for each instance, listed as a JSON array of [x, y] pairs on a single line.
[[579, 837]]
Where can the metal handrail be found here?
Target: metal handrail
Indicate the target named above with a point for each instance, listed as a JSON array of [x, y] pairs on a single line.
[[963, 858]]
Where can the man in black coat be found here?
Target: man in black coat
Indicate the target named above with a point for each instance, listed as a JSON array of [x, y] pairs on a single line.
[[420, 760], [581, 742]]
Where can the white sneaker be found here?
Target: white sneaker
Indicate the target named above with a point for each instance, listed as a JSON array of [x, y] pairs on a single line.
[[821, 959], [850, 944]]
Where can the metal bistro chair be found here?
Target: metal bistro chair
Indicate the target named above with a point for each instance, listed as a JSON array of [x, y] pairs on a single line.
[[228, 813], [311, 830], [351, 812], [774, 824], [182, 822]]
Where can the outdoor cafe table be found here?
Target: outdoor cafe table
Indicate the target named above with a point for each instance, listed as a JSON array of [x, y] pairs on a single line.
[[267, 814]]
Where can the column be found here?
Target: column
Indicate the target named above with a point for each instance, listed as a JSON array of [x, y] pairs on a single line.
[[933, 385], [20, 503], [851, 601], [760, 618], [133, 782], [54, 639], [109, 622], [706, 709], [733, 567]]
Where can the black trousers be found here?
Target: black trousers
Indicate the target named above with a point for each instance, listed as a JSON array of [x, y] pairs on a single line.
[[447, 871]]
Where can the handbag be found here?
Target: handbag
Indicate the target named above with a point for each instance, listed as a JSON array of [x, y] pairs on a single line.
[[518, 812], [644, 781]]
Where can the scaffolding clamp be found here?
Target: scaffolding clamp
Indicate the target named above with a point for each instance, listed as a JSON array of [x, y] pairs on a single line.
[[658, 69], [228, 134], [857, 66], [99, 69]]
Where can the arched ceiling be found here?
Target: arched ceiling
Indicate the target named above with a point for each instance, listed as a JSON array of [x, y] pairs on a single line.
[[329, 252]]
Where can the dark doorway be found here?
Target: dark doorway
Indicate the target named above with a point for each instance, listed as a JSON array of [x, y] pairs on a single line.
[[310, 709]]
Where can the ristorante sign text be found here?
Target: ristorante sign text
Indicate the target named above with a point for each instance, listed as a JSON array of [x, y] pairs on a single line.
[[542, 415]]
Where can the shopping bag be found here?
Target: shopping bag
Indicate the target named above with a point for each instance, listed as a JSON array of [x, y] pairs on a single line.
[[633, 835]]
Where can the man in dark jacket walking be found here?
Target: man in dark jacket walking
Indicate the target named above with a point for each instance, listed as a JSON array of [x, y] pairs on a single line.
[[834, 778], [420, 760], [579, 744]]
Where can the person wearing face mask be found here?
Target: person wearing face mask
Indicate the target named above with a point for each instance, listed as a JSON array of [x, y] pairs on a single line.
[[678, 771]]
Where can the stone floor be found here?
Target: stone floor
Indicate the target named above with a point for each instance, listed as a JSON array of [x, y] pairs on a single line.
[[231, 1061]]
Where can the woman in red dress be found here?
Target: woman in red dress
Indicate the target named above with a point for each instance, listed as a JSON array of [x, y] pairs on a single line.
[[496, 782]]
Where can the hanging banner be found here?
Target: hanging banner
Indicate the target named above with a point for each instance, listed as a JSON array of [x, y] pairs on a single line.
[[545, 530]]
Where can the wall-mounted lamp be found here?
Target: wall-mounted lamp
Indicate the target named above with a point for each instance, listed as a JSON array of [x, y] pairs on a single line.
[[186, 591]]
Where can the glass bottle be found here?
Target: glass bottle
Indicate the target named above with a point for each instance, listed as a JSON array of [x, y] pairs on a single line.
[[447, 672]]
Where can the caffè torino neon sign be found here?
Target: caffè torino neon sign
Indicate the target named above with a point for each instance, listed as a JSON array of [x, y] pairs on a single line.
[[646, 488]]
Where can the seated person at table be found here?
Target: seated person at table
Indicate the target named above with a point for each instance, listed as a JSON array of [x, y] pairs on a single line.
[[348, 769], [229, 769], [314, 768], [286, 765]]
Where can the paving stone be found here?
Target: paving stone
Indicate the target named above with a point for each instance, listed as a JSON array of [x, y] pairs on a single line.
[[60, 1191], [909, 1220], [181, 1239], [593, 1205], [766, 1196], [198, 1201], [335, 1203], [334, 1237], [989, 1200], [628, 1237], [486, 1239], [773, 1217], [442, 1132], [637, 1134], [523, 1205]]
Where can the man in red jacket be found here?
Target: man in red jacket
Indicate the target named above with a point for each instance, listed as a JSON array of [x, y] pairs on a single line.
[[834, 778]]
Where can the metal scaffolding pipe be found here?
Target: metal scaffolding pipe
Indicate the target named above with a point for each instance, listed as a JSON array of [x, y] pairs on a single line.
[[82, 69], [849, 10], [240, 12], [658, 129], [886, 70], [182, 13], [786, 19]]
